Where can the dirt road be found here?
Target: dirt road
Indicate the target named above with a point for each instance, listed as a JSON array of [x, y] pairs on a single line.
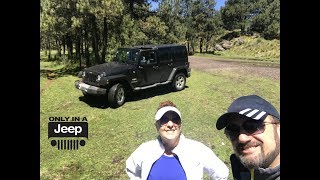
[[210, 65]]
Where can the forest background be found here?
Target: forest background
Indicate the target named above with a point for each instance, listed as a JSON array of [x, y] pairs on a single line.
[[90, 31]]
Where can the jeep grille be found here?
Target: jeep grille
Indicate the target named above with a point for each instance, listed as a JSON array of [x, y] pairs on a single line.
[[90, 78]]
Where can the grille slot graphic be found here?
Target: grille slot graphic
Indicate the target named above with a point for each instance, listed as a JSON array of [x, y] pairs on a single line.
[[65, 144]]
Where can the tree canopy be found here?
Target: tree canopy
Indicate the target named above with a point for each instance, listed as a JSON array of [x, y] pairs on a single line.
[[91, 30]]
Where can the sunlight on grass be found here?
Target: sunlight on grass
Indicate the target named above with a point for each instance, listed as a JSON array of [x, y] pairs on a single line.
[[50, 66]]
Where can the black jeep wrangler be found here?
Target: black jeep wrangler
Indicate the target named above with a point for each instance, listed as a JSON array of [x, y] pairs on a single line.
[[136, 68]]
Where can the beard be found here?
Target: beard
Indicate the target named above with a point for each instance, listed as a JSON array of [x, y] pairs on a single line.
[[260, 159]]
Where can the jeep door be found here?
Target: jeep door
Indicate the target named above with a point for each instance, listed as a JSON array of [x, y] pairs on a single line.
[[165, 62], [148, 68]]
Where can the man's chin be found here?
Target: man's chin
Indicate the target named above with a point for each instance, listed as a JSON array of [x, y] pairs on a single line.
[[171, 139]]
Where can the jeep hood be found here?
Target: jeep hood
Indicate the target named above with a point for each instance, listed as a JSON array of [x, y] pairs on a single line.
[[110, 68]]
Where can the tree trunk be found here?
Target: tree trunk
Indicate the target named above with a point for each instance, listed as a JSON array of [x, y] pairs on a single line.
[[201, 44], [86, 51], [192, 47], [49, 49], [82, 46], [104, 40], [69, 46], [95, 39], [58, 44], [208, 37], [64, 45], [78, 41]]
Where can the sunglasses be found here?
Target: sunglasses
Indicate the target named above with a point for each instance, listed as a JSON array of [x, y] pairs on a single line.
[[252, 127], [166, 118]]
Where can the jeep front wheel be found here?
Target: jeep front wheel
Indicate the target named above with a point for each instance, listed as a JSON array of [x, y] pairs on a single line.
[[87, 96], [116, 95], [179, 82]]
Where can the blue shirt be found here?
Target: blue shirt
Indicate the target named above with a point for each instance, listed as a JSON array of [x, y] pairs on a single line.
[[167, 168]]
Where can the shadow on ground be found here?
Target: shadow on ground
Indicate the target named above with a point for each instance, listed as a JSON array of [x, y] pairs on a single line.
[[102, 101], [54, 74]]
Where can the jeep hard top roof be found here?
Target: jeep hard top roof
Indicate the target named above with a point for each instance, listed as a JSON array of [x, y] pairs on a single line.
[[153, 46]]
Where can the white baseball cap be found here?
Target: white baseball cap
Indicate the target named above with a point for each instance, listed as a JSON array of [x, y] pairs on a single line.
[[165, 109]]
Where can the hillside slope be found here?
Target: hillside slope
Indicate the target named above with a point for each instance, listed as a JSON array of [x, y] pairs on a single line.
[[250, 48], [253, 48]]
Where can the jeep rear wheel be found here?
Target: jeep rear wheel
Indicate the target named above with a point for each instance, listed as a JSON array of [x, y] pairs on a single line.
[[179, 82], [116, 95]]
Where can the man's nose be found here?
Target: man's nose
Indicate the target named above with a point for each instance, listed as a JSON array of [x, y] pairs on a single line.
[[170, 123], [244, 136]]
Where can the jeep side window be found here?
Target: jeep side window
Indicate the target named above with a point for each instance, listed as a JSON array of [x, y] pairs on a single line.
[[164, 55], [142, 58], [135, 55], [152, 58], [122, 55], [147, 57]]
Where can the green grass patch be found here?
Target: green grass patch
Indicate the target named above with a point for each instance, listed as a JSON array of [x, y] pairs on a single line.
[[115, 133], [51, 66]]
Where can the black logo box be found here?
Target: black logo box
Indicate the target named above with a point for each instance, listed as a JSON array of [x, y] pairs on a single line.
[[67, 129]]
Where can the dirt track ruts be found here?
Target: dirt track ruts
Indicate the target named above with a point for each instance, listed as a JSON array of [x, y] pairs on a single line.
[[212, 65]]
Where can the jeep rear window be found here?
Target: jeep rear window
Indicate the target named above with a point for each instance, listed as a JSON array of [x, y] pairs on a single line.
[[164, 54], [180, 53]]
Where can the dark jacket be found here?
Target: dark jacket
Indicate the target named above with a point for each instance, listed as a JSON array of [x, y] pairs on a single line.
[[267, 174], [240, 172]]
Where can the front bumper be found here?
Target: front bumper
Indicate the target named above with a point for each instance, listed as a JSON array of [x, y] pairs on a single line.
[[89, 89]]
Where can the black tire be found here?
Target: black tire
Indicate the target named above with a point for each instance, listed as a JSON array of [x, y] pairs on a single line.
[[179, 82], [116, 95], [87, 96]]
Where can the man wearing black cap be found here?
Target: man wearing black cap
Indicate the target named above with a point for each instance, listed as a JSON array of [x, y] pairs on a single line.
[[172, 156], [252, 125]]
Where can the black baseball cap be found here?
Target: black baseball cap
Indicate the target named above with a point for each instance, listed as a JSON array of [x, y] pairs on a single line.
[[252, 106]]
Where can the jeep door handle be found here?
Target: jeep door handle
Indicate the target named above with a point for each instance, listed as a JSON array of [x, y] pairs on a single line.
[[155, 67]]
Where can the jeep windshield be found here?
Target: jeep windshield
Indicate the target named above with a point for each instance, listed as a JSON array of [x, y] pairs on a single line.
[[126, 55]]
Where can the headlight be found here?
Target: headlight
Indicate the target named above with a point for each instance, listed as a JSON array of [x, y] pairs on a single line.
[[80, 74], [98, 78]]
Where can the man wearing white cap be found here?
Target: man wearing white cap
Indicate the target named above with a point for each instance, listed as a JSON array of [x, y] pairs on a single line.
[[172, 156]]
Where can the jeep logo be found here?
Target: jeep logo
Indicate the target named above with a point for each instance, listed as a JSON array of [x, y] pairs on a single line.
[[68, 129]]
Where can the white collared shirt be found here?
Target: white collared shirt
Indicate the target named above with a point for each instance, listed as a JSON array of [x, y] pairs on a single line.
[[194, 156]]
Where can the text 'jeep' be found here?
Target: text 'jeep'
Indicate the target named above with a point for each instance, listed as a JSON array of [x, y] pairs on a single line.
[[136, 68]]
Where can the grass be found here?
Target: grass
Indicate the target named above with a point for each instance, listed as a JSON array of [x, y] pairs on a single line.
[[115, 133]]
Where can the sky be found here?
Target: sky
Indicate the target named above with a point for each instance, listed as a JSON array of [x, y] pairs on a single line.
[[219, 3]]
